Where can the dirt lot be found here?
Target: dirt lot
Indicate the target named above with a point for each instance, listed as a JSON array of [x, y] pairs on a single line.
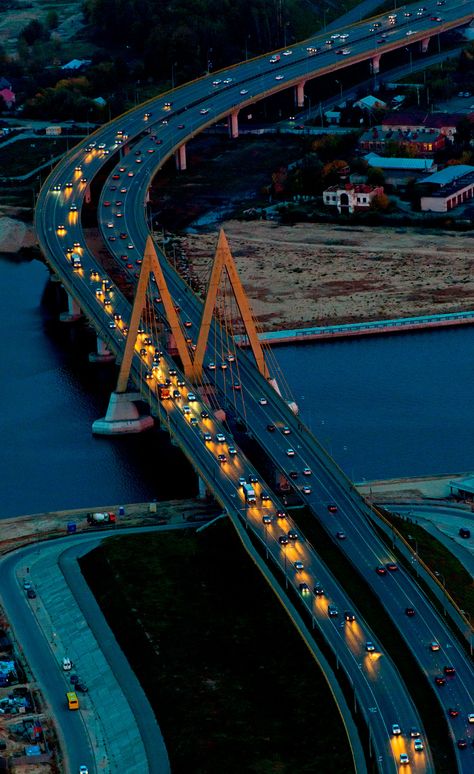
[[309, 274]]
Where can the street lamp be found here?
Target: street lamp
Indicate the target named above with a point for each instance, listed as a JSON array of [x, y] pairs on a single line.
[[443, 579], [246, 48], [340, 88], [411, 58], [174, 64]]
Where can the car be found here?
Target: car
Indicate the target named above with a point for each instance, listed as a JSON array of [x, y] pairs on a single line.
[[267, 519], [410, 32], [220, 438], [453, 712], [31, 593], [391, 566], [410, 611], [404, 759], [191, 397], [211, 366], [27, 584], [407, 14], [204, 111], [271, 428], [264, 497], [436, 18], [306, 489], [332, 508], [228, 80], [283, 540], [307, 472], [418, 745], [223, 366], [263, 401], [207, 436], [232, 451], [292, 534], [349, 616], [253, 479], [440, 680], [434, 646], [414, 733], [293, 474], [288, 52], [332, 611], [221, 458], [83, 769], [298, 565], [194, 421], [187, 324], [286, 430], [318, 590], [346, 51], [341, 535], [236, 386], [290, 452], [67, 664], [280, 514], [380, 570], [304, 588], [216, 82], [186, 410], [396, 730], [81, 687], [369, 646], [180, 126], [279, 77], [470, 717], [449, 670], [112, 324], [462, 744], [204, 413]]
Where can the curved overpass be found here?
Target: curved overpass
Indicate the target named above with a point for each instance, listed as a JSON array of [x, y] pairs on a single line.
[[193, 107]]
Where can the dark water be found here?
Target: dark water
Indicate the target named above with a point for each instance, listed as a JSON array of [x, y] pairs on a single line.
[[49, 397], [389, 406], [384, 407]]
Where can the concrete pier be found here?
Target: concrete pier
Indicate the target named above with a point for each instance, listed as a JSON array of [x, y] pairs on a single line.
[[103, 354], [122, 416], [74, 310]]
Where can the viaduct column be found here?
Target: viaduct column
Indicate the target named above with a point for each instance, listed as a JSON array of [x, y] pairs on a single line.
[[299, 94], [424, 44], [73, 310], [376, 64], [181, 158], [233, 124]]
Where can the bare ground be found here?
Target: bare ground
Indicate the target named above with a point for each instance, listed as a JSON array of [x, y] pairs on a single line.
[[309, 274]]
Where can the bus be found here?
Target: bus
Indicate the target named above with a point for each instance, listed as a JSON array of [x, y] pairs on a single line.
[[72, 701]]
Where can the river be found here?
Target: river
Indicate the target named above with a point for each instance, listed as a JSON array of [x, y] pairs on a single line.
[[383, 406]]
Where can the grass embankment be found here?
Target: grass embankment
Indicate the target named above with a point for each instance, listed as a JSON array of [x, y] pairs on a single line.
[[233, 687], [458, 582], [24, 156]]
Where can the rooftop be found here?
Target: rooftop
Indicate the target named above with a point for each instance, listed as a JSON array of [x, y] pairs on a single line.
[[417, 165], [455, 185], [448, 174]]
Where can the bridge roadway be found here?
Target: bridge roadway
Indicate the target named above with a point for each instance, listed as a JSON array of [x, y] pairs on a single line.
[[362, 546]]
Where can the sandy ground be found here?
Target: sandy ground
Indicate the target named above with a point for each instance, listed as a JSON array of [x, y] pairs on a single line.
[[14, 234], [309, 274]]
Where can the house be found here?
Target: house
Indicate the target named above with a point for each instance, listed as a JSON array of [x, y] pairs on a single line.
[[349, 197], [398, 171], [76, 64], [8, 98], [370, 103], [333, 117], [419, 120], [4, 84], [449, 191], [418, 141]]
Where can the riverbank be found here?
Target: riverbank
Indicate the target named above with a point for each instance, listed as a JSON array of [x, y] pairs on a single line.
[[411, 489]]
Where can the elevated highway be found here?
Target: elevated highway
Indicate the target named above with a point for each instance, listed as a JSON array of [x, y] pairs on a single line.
[[138, 144]]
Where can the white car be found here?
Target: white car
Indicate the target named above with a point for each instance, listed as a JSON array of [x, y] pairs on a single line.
[[83, 770], [288, 53], [244, 91], [290, 452], [67, 664], [204, 111], [228, 80], [263, 401], [279, 77], [411, 32]]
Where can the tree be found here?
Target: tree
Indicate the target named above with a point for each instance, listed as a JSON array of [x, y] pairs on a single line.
[[33, 32], [375, 176], [380, 202], [52, 20]]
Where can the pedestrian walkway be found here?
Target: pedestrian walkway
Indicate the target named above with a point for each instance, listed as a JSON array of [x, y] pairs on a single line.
[[115, 735]]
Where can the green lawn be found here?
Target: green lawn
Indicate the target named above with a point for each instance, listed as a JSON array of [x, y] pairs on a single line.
[[232, 684]]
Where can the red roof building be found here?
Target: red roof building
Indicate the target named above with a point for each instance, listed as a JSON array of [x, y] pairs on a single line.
[[8, 97]]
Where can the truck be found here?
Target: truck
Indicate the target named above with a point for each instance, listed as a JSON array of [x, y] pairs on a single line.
[[101, 518], [164, 391], [249, 494], [275, 58]]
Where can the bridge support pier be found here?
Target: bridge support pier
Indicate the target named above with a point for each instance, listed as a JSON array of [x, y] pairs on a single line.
[[73, 310], [203, 493], [122, 416], [424, 44], [87, 194], [103, 354], [375, 64], [180, 157], [233, 124], [299, 94]]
